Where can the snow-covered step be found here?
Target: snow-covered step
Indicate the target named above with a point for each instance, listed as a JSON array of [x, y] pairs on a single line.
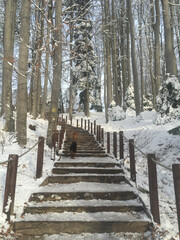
[[75, 223], [84, 206], [84, 190], [97, 151], [85, 164], [86, 154], [84, 177], [68, 170]]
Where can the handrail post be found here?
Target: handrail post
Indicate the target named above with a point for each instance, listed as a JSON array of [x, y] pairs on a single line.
[[60, 138], [97, 131], [102, 136], [121, 145], [88, 125], [71, 120], [153, 188], [132, 160], [55, 140], [10, 187], [115, 144], [40, 155], [85, 124], [94, 127], [176, 177], [108, 142]]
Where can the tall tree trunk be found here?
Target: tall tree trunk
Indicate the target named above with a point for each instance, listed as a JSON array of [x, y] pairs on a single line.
[[46, 77], [105, 67], [47, 42], [114, 55], [124, 48], [157, 65], [39, 41], [108, 55], [171, 66], [86, 102], [57, 62], [134, 60], [141, 55], [22, 76], [128, 56], [9, 29], [71, 65]]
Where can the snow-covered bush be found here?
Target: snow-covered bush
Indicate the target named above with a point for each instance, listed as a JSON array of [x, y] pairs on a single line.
[[116, 113], [168, 101], [129, 98], [148, 102]]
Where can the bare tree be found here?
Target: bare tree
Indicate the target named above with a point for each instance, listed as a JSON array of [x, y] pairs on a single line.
[[57, 65], [134, 60], [171, 66], [9, 29], [45, 89], [22, 76]]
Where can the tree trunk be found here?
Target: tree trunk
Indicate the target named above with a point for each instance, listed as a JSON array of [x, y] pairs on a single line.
[[71, 65], [108, 56], [86, 102], [171, 66], [22, 76], [141, 55], [39, 40], [157, 65], [44, 98], [114, 56], [134, 60], [124, 48], [105, 67], [9, 29], [57, 62]]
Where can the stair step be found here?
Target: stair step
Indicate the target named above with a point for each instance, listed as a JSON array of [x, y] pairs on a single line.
[[85, 151], [66, 179], [75, 223], [86, 195], [84, 190], [85, 164], [69, 170], [87, 155], [84, 206]]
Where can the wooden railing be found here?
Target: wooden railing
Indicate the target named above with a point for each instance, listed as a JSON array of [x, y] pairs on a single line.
[[99, 133], [116, 139], [11, 175]]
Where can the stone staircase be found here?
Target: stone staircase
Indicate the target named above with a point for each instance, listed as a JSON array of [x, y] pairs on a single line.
[[88, 194]]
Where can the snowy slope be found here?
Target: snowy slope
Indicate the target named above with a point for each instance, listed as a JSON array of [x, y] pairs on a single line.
[[147, 136]]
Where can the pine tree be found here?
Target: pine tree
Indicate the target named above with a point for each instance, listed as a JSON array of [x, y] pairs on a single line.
[[168, 101], [129, 98], [84, 70]]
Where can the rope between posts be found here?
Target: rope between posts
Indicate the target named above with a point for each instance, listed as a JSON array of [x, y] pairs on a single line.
[[9, 160], [154, 160]]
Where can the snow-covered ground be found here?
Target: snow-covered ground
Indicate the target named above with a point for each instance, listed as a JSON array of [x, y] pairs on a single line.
[[149, 138]]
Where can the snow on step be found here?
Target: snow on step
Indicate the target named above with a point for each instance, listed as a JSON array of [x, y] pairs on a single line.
[[84, 206], [94, 202], [86, 217], [75, 223], [94, 159], [86, 187]]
